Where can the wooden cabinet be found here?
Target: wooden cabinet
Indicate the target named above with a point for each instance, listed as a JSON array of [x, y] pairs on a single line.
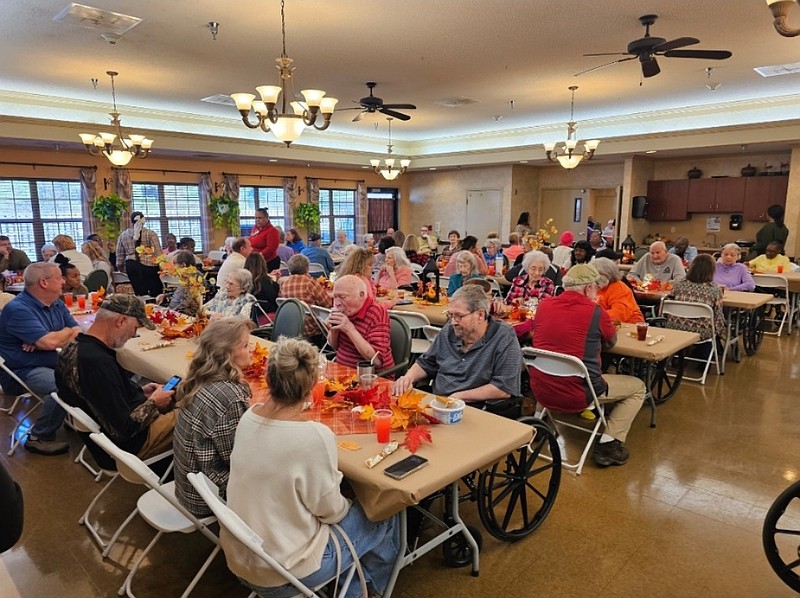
[[667, 200], [762, 192], [717, 195]]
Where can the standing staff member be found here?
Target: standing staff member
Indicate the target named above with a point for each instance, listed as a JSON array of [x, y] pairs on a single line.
[[265, 239], [137, 249], [774, 230]]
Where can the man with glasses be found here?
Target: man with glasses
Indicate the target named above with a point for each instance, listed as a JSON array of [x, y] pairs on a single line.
[[32, 326], [473, 358], [428, 243], [574, 324], [12, 259]]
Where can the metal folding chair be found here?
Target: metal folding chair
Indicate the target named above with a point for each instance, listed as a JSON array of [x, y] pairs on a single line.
[[15, 436], [690, 310]]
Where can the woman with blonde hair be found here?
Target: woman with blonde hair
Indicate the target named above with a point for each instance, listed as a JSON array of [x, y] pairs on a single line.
[[396, 270], [359, 263], [411, 247], [212, 400], [99, 261], [290, 496], [66, 247]]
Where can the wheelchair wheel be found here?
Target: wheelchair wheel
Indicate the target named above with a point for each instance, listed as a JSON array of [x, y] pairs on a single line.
[[456, 550], [753, 332], [516, 494], [666, 378], [781, 536]]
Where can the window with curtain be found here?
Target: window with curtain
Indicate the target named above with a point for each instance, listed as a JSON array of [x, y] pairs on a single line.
[[337, 211], [252, 197], [382, 210], [33, 211], [171, 208]]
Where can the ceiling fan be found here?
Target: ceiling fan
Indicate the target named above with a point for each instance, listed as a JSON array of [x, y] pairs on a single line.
[[371, 104], [647, 48]]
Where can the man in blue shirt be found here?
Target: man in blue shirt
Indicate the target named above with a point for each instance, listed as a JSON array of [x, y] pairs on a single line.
[[32, 326], [317, 255]]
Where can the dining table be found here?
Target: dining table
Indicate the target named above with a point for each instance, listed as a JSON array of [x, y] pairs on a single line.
[[743, 314]]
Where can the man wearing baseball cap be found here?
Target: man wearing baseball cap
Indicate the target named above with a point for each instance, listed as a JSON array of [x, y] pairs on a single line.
[[316, 254], [136, 418], [574, 324]]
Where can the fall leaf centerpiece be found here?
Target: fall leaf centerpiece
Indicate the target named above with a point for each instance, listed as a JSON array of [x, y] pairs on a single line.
[[173, 325], [97, 298], [542, 236]]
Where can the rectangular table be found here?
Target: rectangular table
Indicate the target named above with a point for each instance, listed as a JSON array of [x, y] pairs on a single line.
[[734, 303]]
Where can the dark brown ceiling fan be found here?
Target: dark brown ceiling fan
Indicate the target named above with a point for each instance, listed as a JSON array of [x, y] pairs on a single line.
[[371, 104], [647, 48]]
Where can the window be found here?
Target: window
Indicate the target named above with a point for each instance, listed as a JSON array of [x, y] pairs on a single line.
[[271, 198], [337, 211], [172, 209], [32, 212]]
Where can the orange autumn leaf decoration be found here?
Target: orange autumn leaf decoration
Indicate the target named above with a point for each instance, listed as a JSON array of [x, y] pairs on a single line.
[[367, 413], [400, 418], [415, 436]]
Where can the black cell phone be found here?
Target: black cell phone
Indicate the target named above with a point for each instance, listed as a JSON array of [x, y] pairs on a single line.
[[406, 467], [171, 383]]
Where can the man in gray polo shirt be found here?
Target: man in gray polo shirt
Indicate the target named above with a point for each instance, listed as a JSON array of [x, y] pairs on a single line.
[[474, 357]]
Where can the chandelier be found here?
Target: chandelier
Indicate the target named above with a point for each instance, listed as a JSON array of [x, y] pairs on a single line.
[[118, 153], [568, 157], [780, 14], [287, 127], [388, 170]]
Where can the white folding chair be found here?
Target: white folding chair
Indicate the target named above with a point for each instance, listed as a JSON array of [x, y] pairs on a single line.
[[770, 283], [495, 287], [444, 282], [416, 268], [414, 278], [431, 332], [159, 508], [416, 323], [314, 268], [246, 536], [15, 436], [689, 310], [216, 255], [564, 366], [81, 422]]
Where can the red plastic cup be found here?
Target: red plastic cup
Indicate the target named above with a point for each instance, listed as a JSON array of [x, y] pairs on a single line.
[[68, 299], [780, 269], [383, 425], [641, 331], [81, 301]]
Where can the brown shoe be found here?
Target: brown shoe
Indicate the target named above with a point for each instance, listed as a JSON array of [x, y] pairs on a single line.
[[610, 453], [45, 447]]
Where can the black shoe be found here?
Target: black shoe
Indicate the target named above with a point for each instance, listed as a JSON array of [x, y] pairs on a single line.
[[610, 453], [45, 447]]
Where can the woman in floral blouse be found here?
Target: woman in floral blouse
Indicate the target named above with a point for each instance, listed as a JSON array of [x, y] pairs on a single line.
[[531, 283], [235, 299], [699, 288]]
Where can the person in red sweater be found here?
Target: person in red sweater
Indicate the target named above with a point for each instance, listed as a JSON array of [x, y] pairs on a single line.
[[265, 239], [615, 296]]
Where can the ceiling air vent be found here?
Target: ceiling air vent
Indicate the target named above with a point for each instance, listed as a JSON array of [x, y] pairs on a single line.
[[455, 102], [777, 70], [220, 98], [100, 20]]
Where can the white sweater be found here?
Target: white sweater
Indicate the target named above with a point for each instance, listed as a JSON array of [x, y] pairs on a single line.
[[235, 261], [284, 484]]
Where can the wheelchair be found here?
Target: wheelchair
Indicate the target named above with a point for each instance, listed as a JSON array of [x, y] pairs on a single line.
[[513, 496], [780, 536]]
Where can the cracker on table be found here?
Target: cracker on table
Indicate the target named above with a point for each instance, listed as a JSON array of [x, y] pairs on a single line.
[[349, 445]]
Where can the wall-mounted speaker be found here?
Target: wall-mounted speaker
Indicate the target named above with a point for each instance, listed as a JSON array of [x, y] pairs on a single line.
[[639, 209]]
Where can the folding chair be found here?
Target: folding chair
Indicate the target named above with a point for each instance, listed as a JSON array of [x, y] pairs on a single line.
[[689, 310], [263, 330], [216, 255], [416, 268], [416, 322], [289, 319], [320, 315], [16, 438], [95, 280], [229, 520], [83, 424], [401, 346], [431, 332], [770, 283], [159, 508], [495, 287], [444, 282], [561, 365], [315, 270]]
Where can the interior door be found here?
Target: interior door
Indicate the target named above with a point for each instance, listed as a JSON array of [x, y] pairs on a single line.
[[484, 213]]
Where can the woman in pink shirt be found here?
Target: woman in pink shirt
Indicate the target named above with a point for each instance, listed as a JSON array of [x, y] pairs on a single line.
[[396, 271]]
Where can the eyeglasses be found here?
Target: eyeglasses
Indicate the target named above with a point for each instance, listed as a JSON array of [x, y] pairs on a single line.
[[457, 317]]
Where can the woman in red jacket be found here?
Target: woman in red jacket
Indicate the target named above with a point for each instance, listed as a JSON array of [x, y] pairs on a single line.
[[265, 239]]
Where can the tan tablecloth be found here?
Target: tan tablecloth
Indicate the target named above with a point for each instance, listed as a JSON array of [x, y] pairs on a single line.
[[794, 281], [434, 313], [625, 267], [674, 341]]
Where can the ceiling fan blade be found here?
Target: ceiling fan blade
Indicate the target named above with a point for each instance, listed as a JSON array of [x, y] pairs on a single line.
[[602, 66], [703, 54], [650, 68], [359, 116], [397, 115], [607, 54], [680, 42], [400, 106]]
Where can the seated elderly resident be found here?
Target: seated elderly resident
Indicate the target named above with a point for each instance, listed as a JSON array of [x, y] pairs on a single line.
[[574, 324], [474, 357], [66, 247], [411, 247], [316, 254], [467, 267], [468, 243], [614, 295], [428, 243], [240, 249], [455, 242], [531, 283], [699, 287], [211, 400], [137, 419], [659, 264], [563, 253], [188, 295], [290, 495], [359, 327], [235, 299], [494, 249], [32, 326], [771, 261], [730, 273], [299, 285], [341, 243], [396, 269], [683, 250], [48, 252], [514, 248]]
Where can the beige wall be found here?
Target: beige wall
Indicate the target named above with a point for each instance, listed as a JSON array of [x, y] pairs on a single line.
[[525, 193]]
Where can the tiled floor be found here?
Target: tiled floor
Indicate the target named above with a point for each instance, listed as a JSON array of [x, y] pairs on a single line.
[[682, 518]]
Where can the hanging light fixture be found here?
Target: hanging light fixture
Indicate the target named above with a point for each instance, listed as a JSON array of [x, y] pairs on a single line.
[[388, 170], [287, 127], [120, 152], [568, 157], [780, 16]]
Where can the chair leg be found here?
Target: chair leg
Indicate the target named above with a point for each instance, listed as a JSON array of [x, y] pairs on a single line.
[[125, 589], [120, 529], [10, 410], [199, 574], [15, 438]]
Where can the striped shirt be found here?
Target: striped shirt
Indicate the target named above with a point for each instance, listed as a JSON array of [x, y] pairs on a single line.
[[371, 322]]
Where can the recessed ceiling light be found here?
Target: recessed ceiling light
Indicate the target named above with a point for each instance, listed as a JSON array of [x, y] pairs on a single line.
[[273, 160], [523, 161], [432, 168], [651, 151]]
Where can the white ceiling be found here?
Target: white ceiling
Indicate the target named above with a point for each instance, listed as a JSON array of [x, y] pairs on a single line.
[[419, 51]]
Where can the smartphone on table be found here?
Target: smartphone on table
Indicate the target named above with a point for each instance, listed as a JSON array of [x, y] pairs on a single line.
[[171, 383], [406, 467]]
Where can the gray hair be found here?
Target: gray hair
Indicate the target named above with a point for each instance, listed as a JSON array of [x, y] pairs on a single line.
[[244, 278], [466, 256], [229, 243], [659, 245], [367, 237], [607, 269], [474, 296], [298, 264], [399, 256], [733, 247], [535, 256], [281, 234], [183, 258], [494, 242], [49, 246], [39, 271]]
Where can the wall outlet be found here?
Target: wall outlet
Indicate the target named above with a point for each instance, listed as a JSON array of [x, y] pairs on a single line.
[[437, 228], [672, 229]]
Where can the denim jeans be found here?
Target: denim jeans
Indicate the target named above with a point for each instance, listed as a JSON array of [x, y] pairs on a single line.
[[377, 545], [42, 381]]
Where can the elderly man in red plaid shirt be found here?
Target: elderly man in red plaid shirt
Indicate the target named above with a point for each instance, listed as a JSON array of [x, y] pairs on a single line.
[[359, 327]]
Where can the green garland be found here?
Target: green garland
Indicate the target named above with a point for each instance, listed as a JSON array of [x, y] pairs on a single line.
[[108, 210], [225, 212], [307, 216]]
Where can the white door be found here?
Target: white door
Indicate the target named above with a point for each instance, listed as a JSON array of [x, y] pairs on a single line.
[[484, 213]]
